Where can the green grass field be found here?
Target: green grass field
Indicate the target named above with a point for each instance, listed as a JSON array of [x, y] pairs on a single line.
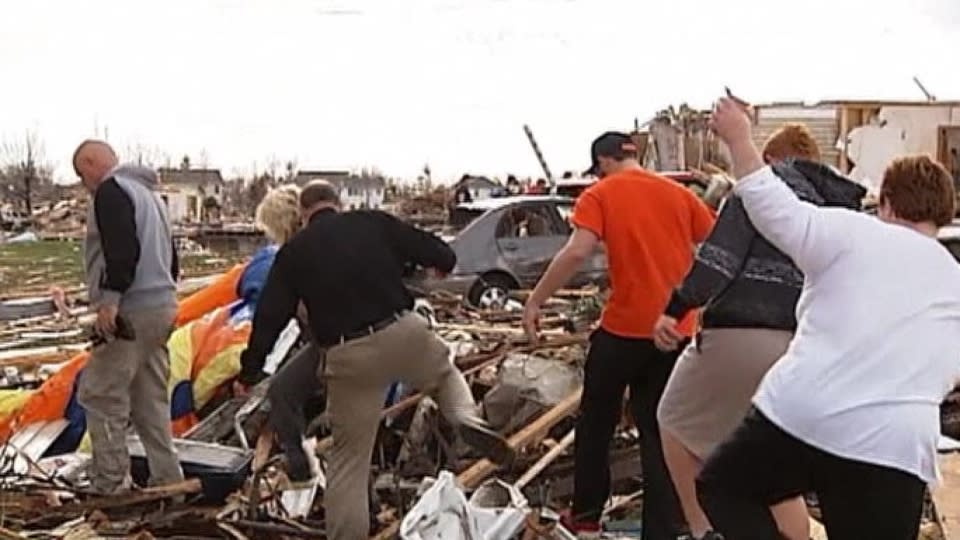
[[32, 267]]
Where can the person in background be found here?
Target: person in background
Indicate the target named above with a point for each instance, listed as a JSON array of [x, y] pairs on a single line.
[[131, 268], [295, 381], [462, 194], [649, 226], [538, 188], [513, 185], [750, 290], [851, 411], [347, 269]]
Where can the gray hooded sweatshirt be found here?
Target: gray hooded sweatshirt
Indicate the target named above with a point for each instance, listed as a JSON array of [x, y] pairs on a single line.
[[129, 255]]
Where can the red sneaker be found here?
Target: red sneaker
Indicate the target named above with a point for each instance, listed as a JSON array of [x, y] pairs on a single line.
[[585, 530]]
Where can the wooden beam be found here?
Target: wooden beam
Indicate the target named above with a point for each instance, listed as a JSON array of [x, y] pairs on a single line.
[[946, 496], [480, 470], [545, 461], [134, 498]]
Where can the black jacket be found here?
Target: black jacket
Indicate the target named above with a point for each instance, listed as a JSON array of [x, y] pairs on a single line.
[[743, 280], [347, 269]]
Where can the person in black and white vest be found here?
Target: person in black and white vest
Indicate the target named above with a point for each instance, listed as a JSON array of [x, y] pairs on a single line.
[[750, 290]]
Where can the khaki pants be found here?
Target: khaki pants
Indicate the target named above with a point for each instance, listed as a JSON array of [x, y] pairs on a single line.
[[359, 373], [126, 381]]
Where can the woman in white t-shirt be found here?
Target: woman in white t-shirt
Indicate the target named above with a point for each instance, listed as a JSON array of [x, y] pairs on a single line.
[[851, 411]]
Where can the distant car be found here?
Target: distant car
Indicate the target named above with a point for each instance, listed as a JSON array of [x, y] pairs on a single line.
[[506, 243]]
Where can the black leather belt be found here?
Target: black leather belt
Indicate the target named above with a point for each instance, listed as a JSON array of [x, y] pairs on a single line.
[[366, 330]]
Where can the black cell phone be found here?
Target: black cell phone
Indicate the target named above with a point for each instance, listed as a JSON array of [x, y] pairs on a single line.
[[124, 331], [730, 95]]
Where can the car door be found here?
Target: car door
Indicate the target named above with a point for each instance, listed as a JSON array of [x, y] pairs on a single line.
[[594, 269], [528, 236]]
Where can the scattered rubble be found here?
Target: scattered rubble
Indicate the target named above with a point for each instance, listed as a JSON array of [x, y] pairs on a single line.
[[427, 484]]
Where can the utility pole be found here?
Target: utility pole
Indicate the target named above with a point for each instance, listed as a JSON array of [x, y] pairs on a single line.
[[536, 150], [930, 97]]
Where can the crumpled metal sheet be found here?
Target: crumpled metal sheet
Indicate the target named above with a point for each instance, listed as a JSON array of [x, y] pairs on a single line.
[[496, 511], [526, 385]]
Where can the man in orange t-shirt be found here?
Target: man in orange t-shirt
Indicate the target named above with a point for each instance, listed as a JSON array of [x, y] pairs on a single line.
[[649, 226]]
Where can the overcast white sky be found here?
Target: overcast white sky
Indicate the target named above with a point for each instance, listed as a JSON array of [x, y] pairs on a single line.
[[401, 83]]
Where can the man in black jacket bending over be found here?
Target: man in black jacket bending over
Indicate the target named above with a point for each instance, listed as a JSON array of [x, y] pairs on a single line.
[[347, 269]]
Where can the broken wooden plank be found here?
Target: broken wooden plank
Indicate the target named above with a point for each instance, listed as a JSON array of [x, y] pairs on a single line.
[[946, 496], [498, 330], [545, 461], [472, 477], [272, 528], [148, 495]]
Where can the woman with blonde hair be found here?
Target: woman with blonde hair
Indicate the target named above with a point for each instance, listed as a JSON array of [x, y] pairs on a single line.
[[278, 216]]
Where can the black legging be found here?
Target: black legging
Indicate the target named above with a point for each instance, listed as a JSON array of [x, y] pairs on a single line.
[[761, 465]]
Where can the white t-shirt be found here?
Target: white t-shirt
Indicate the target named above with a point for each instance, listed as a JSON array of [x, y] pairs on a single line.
[[878, 339]]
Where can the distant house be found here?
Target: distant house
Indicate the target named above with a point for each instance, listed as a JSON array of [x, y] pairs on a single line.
[[356, 192], [479, 187], [862, 137], [192, 195]]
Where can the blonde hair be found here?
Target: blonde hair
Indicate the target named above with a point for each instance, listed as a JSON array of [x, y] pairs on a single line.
[[278, 214]]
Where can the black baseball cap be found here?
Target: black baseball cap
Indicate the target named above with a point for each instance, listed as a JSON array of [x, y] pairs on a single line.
[[612, 144]]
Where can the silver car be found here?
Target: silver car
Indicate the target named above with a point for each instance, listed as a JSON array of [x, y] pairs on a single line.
[[506, 243]]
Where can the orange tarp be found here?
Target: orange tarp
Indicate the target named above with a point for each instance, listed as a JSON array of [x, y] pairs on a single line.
[[50, 400]]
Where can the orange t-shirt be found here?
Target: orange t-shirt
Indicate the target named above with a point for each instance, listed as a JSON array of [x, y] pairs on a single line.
[[649, 226]]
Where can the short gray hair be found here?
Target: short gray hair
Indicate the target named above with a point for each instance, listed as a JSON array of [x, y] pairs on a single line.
[[316, 192]]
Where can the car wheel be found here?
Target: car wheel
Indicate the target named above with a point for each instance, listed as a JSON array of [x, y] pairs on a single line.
[[491, 291]]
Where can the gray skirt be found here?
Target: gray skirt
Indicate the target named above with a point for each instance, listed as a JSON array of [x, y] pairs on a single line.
[[711, 388]]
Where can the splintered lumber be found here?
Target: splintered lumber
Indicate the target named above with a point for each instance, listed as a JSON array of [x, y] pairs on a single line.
[[545, 461], [491, 329], [273, 528], [472, 477], [946, 496], [480, 470], [143, 496], [562, 293]]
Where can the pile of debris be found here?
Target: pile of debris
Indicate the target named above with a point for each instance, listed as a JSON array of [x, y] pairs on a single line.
[[426, 482], [426, 210], [237, 481], [63, 220]]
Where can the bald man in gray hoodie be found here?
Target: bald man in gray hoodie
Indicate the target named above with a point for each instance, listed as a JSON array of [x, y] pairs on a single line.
[[131, 267]]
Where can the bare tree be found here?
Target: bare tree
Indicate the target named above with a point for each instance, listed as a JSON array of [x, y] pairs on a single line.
[[25, 172], [291, 170], [203, 159], [148, 156]]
